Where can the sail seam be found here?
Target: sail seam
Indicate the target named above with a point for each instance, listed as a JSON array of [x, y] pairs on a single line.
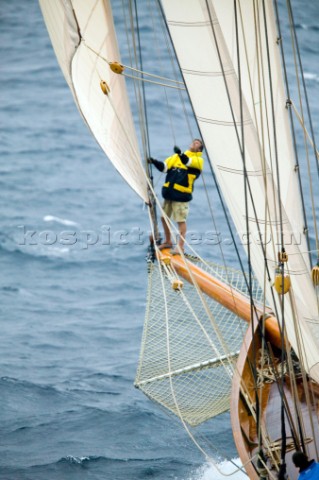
[[230, 71], [224, 122], [175, 23], [250, 173]]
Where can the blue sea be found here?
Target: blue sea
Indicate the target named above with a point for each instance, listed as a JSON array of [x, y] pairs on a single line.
[[72, 314]]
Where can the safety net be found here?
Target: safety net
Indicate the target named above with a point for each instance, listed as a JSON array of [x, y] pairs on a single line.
[[190, 344]]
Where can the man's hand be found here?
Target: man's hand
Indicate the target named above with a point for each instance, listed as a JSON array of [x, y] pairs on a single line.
[[159, 165], [184, 158]]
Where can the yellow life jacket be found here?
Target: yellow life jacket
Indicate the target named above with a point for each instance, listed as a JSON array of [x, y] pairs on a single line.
[[180, 178]]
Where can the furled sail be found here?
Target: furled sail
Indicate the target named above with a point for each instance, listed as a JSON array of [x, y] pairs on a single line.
[[242, 114], [84, 40]]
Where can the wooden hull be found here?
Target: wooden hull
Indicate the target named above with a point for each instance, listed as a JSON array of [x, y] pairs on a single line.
[[244, 398]]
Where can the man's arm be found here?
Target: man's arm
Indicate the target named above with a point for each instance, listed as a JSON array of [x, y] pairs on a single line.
[[159, 165]]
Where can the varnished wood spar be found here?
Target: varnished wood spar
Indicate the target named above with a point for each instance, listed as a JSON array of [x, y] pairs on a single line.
[[222, 293]]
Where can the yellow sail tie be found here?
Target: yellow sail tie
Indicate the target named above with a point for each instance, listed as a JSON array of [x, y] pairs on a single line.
[[315, 274]]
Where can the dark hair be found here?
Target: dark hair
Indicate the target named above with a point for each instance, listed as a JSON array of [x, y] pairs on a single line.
[[300, 459], [199, 140]]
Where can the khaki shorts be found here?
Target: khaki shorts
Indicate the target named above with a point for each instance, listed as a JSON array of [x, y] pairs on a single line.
[[177, 210]]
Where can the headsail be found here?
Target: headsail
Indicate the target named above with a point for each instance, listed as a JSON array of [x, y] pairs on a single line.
[[246, 121], [84, 40]]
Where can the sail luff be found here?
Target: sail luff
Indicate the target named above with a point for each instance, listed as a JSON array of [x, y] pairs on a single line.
[[83, 36]]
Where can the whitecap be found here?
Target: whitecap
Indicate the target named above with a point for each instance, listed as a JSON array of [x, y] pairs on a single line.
[[311, 76], [218, 472], [78, 460], [56, 251], [62, 221]]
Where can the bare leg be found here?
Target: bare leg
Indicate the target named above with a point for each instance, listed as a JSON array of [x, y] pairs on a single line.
[[182, 233], [167, 232]]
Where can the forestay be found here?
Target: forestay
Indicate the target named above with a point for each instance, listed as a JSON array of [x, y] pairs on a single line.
[[245, 117], [84, 40]]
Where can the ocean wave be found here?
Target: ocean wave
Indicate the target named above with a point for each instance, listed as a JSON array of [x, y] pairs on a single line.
[[81, 460], [40, 252], [10, 289], [304, 26], [301, 26], [74, 460]]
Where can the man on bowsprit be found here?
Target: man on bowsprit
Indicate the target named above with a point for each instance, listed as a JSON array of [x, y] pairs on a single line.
[[182, 169]]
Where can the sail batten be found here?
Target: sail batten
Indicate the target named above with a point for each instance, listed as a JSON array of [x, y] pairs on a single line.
[[83, 35]]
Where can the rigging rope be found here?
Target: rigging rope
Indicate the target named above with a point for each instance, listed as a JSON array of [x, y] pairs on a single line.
[[210, 165], [243, 153], [289, 102], [310, 179], [143, 73], [242, 148], [172, 389], [237, 135], [296, 43]]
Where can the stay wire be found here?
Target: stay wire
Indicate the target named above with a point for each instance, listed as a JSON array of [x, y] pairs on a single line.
[[303, 82], [246, 176], [215, 179], [289, 104], [313, 143], [174, 62], [143, 112], [159, 61], [254, 348], [274, 123], [283, 356], [211, 21], [293, 131], [243, 150], [140, 58], [246, 214], [238, 139], [220, 196]]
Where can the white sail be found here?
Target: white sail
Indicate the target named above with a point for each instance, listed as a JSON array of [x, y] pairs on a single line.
[[84, 40], [211, 75]]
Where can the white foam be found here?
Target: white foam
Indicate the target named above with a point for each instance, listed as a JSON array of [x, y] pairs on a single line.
[[210, 472], [62, 221], [78, 460], [310, 76]]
